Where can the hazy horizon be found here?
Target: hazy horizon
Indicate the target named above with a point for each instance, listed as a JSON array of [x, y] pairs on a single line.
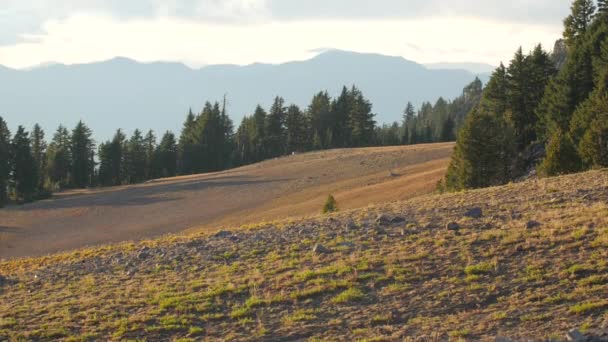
[[242, 32]]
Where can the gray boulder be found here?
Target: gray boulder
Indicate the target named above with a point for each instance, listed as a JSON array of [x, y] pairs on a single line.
[[474, 213]]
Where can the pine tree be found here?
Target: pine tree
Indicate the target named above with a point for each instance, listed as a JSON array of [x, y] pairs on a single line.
[[259, 134], [167, 155], [136, 158], [275, 128], [331, 205], [39, 150], [320, 115], [81, 148], [361, 120], [117, 158], [339, 120], [151, 159], [59, 159], [562, 157], [24, 173], [5, 158], [577, 23], [483, 154], [447, 130], [408, 121], [297, 130]]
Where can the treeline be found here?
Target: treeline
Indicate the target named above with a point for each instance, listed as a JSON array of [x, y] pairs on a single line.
[[534, 116], [431, 123], [30, 169]]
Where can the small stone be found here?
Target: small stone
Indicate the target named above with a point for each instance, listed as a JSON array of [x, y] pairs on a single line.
[[452, 226], [474, 213], [320, 249], [532, 224], [502, 339], [575, 336]]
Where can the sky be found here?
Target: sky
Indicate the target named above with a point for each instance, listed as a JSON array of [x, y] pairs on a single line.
[[204, 32]]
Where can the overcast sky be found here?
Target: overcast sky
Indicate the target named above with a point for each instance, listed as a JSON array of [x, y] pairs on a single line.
[[201, 32]]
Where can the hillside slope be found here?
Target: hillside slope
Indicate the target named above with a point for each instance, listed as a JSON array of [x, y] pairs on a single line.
[[532, 262], [286, 187]]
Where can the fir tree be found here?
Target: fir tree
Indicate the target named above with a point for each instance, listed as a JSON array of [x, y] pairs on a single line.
[[151, 158], [24, 173], [297, 130], [275, 128], [447, 130], [167, 155], [136, 158], [562, 157], [59, 158], [39, 151], [330, 206], [81, 148], [5, 157], [320, 115], [361, 120], [577, 23]]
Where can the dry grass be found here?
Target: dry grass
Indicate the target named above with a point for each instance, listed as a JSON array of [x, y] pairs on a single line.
[[277, 189], [493, 277]]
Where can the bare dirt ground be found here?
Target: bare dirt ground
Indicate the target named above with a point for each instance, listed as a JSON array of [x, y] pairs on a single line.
[[287, 187]]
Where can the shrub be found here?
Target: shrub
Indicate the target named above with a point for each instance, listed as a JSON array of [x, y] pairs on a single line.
[[330, 205], [562, 157]]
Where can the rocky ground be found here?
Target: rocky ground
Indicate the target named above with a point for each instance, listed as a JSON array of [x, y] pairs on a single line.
[[526, 261]]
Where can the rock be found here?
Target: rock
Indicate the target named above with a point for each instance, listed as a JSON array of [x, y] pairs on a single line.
[[223, 234], [575, 336], [452, 226], [351, 226], [502, 339], [320, 249], [3, 280], [383, 219], [398, 220], [474, 213], [532, 224], [144, 253]]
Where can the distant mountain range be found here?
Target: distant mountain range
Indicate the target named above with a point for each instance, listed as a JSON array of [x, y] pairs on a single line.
[[122, 93]]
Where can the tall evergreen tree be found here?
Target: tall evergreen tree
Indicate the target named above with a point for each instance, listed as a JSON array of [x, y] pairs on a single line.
[[151, 158], [135, 161], [24, 173], [5, 157], [361, 119], [82, 148], [320, 115], [275, 128], [167, 155], [577, 23], [339, 119], [59, 158], [39, 151], [408, 120], [298, 139]]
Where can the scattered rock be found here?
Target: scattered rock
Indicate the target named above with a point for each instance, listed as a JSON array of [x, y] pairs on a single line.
[[3, 280], [223, 234], [502, 339], [398, 220], [474, 213], [144, 253], [320, 249], [351, 226], [383, 219], [532, 224], [575, 336], [452, 226]]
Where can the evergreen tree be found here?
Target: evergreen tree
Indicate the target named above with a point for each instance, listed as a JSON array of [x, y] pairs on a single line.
[[24, 173], [39, 150], [331, 205], [577, 23], [320, 115], [297, 130], [5, 158], [361, 120], [339, 120], [151, 159], [275, 128], [259, 134], [135, 161], [167, 155], [408, 121], [81, 149], [187, 149], [562, 157], [448, 130], [59, 158], [117, 157], [483, 154]]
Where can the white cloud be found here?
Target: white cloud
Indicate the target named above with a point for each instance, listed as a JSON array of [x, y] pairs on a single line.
[[90, 37]]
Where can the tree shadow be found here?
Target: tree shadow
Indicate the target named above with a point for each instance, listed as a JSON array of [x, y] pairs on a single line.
[[10, 230], [146, 194]]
